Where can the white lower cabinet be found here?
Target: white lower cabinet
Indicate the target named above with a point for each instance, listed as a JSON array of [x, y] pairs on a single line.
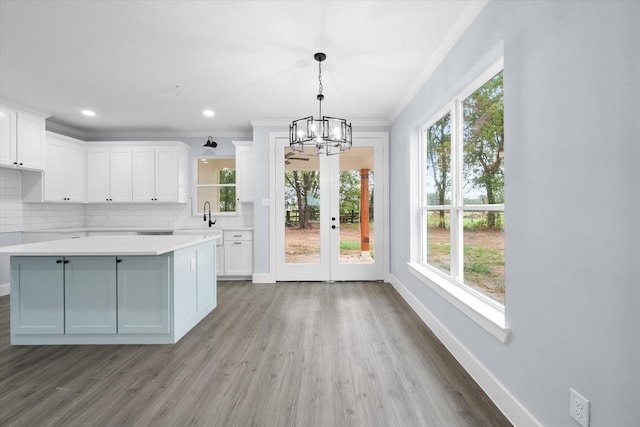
[[143, 295], [90, 295], [37, 295], [238, 253]]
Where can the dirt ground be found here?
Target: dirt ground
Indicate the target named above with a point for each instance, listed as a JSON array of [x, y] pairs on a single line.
[[484, 239], [303, 245], [491, 284]]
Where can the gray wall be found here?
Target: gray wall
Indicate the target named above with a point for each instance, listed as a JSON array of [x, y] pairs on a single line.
[[572, 82]]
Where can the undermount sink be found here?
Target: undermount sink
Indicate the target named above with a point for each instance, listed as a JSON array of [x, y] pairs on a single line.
[[199, 231], [155, 233]]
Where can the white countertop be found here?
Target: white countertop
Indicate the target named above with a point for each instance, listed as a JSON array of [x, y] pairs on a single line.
[[132, 229], [109, 245]]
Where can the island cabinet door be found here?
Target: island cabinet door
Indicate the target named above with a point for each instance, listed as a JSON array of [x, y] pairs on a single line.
[[143, 294], [37, 295], [206, 282], [90, 295]]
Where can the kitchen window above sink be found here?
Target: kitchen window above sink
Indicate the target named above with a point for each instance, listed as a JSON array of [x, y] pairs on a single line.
[[216, 183]]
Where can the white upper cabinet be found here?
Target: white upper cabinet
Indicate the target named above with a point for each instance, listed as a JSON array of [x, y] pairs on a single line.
[[120, 174], [65, 170], [244, 171], [21, 139], [159, 173], [8, 139], [109, 174], [64, 175], [144, 166]]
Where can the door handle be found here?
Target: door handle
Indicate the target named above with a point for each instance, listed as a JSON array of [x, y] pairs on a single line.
[[333, 227]]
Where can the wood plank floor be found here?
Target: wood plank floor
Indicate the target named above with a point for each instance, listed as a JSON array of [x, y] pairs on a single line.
[[286, 354]]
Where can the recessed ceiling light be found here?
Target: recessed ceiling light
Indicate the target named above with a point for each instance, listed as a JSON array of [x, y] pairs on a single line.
[[88, 113], [208, 113]]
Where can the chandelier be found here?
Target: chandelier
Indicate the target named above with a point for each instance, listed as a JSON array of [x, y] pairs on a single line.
[[324, 135]]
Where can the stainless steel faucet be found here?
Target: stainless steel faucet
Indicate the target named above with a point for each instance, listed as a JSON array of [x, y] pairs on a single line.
[[205, 213]]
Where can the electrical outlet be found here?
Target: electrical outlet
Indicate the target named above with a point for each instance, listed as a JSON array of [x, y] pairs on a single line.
[[579, 408]]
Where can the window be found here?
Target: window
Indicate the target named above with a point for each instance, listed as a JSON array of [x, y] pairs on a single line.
[[462, 191], [216, 184]]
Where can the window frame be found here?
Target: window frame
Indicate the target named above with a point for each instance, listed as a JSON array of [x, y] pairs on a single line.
[[195, 209], [488, 313]]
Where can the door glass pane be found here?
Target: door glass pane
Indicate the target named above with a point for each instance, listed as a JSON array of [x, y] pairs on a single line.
[[302, 208], [356, 206]]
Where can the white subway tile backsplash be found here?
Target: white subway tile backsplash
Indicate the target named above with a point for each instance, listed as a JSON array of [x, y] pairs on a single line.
[[18, 216], [11, 207]]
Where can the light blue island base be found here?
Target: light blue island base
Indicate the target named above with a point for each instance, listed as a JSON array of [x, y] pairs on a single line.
[[130, 299]]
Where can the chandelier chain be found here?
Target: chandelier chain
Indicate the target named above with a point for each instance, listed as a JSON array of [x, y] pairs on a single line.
[[320, 76]]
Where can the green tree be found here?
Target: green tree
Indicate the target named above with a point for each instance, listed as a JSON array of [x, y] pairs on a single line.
[[439, 161], [349, 191], [483, 134], [227, 194], [305, 186]]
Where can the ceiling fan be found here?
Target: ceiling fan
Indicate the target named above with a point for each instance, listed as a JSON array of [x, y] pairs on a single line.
[[292, 156]]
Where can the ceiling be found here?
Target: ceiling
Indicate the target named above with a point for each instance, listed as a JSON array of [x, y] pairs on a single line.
[[149, 68]]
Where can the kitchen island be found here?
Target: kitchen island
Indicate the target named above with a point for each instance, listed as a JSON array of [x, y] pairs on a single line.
[[111, 289]]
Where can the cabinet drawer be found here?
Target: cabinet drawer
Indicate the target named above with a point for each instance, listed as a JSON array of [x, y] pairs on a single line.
[[237, 235]]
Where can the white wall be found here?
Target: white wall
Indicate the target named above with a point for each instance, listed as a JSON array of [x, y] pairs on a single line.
[[571, 84]]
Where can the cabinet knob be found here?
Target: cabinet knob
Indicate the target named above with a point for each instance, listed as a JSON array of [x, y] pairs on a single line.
[[21, 164], [15, 163], [59, 261]]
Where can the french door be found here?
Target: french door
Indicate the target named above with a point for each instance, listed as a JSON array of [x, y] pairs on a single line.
[[330, 213]]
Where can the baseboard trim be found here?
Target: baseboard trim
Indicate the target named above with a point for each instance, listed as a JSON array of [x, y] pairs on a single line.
[[504, 400], [5, 289], [263, 278]]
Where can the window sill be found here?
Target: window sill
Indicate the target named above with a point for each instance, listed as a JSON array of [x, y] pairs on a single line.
[[490, 318]]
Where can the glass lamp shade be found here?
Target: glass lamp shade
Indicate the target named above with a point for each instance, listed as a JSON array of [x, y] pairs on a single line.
[[329, 135]]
